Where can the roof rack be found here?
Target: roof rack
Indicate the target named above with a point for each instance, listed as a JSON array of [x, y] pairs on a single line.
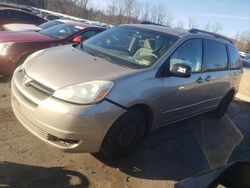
[[151, 23], [210, 33]]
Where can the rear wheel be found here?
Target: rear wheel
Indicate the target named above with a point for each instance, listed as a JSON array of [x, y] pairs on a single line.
[[125, 134], [222, 108]]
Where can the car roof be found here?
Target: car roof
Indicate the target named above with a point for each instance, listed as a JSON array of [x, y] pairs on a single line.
[[182, 32], [160, 28], [63, 20], [80, 24], [71, 22]]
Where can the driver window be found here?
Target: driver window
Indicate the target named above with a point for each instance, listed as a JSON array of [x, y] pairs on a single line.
[[189, 53], [88, 34]]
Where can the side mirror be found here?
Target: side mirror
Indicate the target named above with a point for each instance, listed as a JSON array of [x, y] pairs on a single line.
[[78, 39], [181, 70]]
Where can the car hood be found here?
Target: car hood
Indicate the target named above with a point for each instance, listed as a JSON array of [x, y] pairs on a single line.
[[62, 66], [28, 36]]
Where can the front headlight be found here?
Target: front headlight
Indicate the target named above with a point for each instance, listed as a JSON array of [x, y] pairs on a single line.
[[85, 93], [4, 48]]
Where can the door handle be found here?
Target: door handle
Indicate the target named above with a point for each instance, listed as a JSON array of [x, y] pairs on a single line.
[[208, 78], [199, 80]]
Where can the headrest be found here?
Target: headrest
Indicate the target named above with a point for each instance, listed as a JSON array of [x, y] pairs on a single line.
[[149, 44]]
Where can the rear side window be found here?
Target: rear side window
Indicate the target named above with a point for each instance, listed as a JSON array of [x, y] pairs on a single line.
[[234, 57], [26, 17], [216, 56]]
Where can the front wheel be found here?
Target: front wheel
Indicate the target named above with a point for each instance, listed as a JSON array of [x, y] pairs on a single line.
[[125, 134]]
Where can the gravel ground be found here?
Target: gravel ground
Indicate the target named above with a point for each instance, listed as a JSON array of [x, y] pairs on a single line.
[[166, 156]]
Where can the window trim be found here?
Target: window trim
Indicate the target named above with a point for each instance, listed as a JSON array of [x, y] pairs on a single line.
[[206, 57]]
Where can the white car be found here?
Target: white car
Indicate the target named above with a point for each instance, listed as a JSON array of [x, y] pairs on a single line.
[[20, 27], [31, 27]]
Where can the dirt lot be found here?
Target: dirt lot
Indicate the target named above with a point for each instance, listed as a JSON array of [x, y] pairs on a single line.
[[166, 156]]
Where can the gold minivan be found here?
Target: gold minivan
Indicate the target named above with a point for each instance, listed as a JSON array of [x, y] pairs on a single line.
[[104, 94]]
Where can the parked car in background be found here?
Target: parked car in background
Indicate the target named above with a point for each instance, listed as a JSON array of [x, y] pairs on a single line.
[[15, 47], [246, 61], [56, 22], [32, 27], [20, 27], [105, 94], [10, 15], [19, 7], [51, 17]]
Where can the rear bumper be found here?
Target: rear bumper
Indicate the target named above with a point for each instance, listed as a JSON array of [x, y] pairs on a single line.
[[70, 127]]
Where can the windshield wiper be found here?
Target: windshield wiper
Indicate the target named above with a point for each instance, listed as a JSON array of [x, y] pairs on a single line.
[[104, 56]]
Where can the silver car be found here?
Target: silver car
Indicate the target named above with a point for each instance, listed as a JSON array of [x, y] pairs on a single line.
[[105, 94]]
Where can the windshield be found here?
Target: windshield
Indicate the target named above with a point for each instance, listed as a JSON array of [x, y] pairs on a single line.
[[50, 24], [130, 46], [61, 31]]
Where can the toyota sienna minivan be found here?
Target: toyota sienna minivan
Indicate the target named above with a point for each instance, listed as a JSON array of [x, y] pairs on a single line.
[[105, 94]]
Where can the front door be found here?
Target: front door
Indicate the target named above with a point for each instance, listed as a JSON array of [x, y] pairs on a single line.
[[181, 97]]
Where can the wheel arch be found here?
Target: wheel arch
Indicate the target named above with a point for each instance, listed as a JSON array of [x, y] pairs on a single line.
[[148, 111]]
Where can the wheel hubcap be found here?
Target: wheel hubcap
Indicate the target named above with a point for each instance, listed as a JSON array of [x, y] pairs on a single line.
[[127, 134]]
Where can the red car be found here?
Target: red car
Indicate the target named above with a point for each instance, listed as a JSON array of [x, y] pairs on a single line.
[[15, 47], [11, 15]]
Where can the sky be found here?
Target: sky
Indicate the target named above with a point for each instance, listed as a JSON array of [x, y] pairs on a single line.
[[233, 15]]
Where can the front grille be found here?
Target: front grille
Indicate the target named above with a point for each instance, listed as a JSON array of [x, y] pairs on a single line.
[[31, 91], [38, 86], [24, 97], [45, 90], [39, 132]]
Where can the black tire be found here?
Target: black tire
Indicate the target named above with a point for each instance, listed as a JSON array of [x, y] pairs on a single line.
[[222, 108], [125, 134]]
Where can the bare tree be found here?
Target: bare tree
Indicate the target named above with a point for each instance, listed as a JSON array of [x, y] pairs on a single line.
[[180, 24], [244, 41], [124, 10], [237, 34], [82, 3], [146, 12], [153, 14], [216, 27], [161, 15], [169, 19], [136, 14], [192, 23], [207, 26]]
